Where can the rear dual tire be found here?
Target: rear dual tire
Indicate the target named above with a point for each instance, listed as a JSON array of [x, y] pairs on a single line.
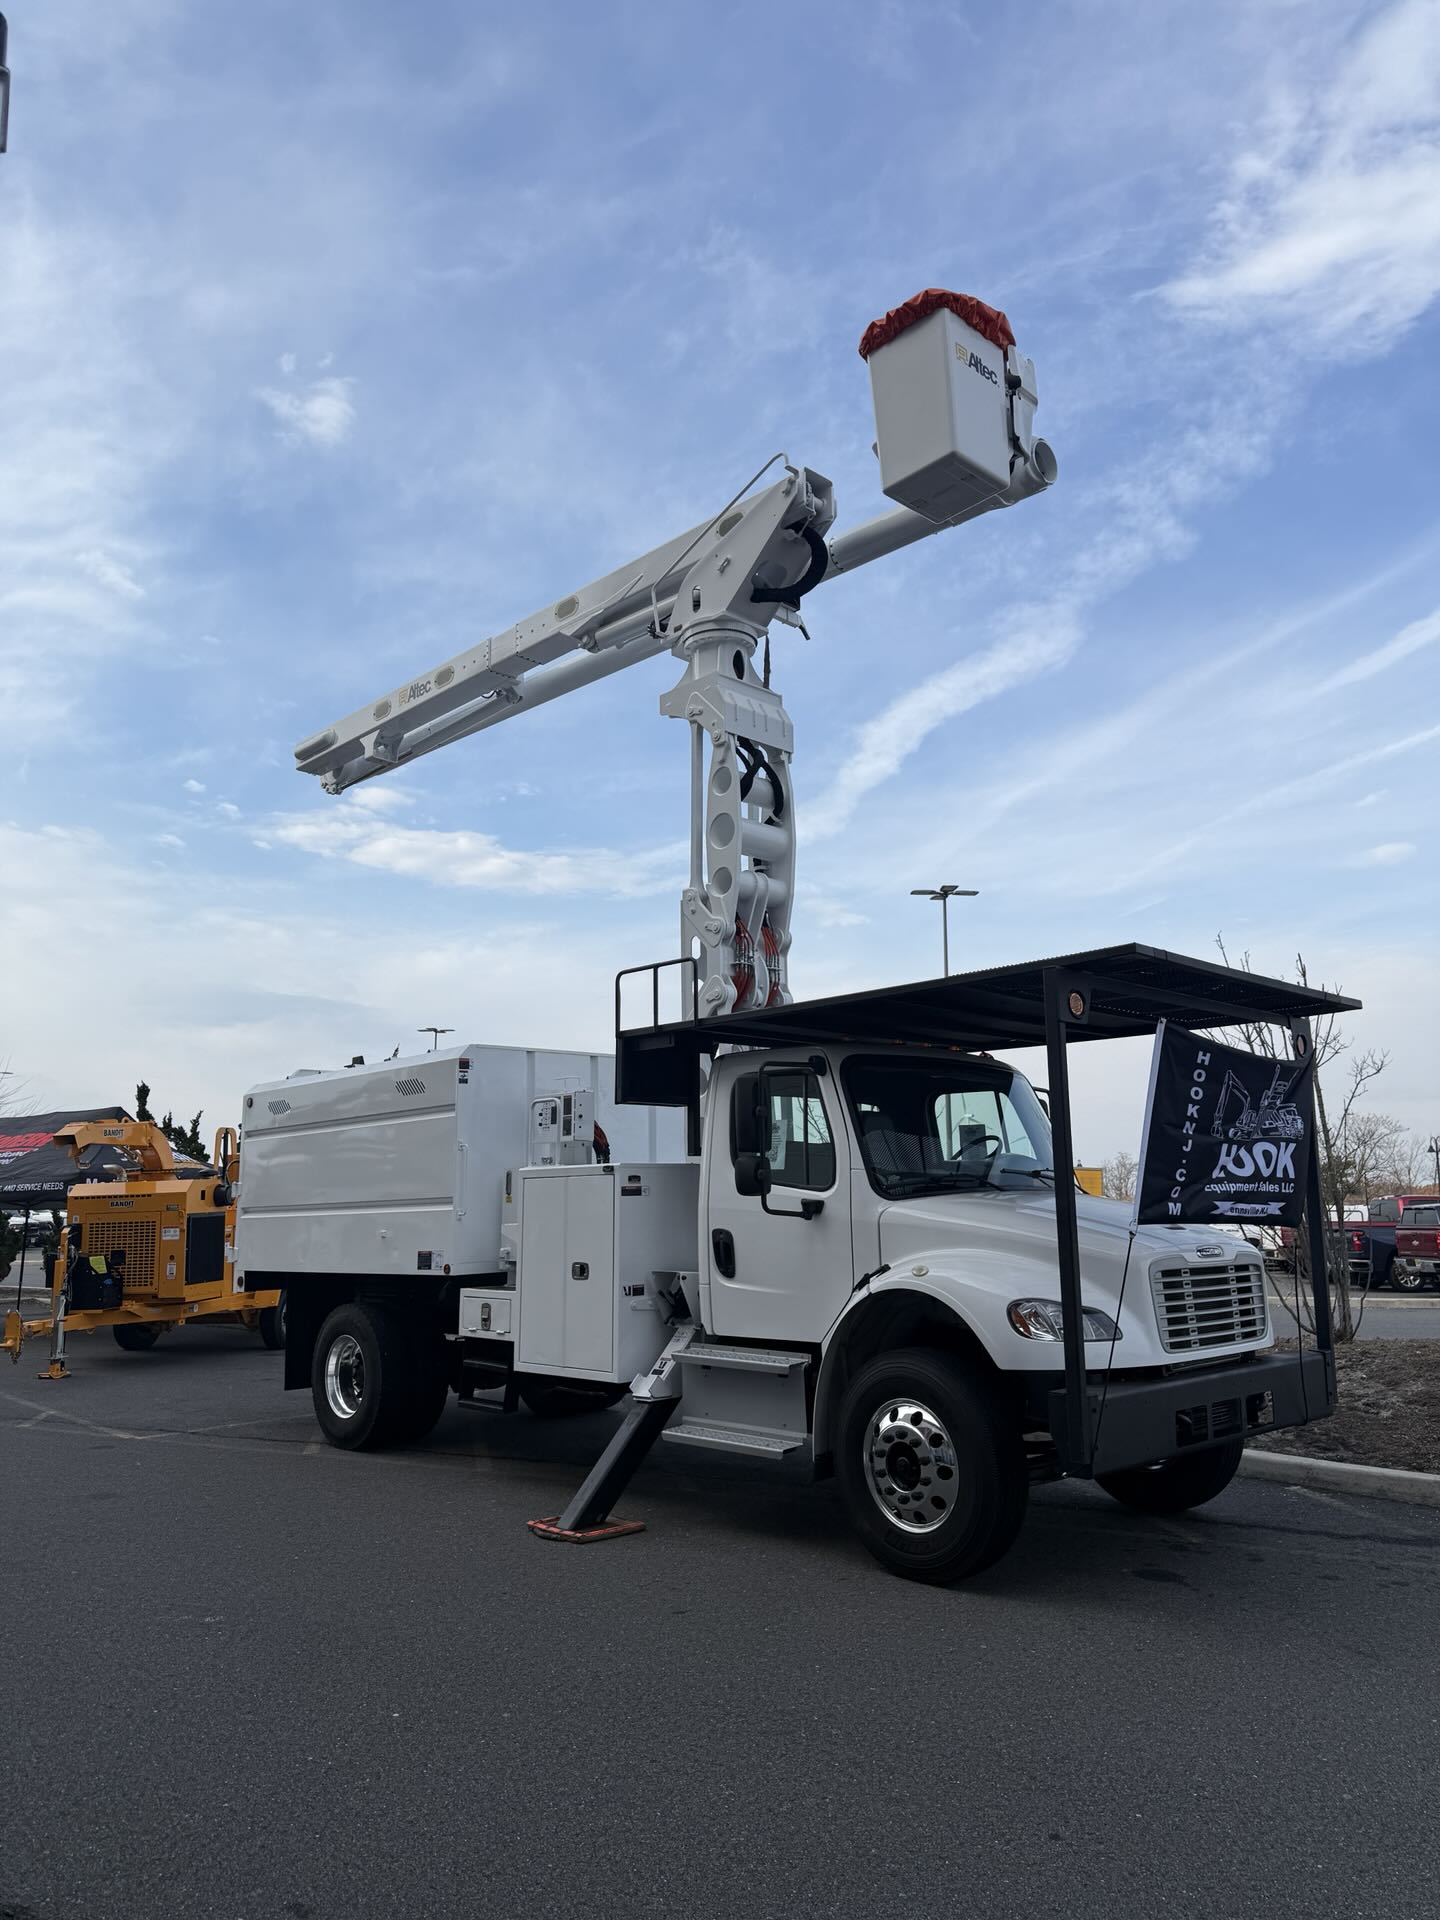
[[377, 1380]]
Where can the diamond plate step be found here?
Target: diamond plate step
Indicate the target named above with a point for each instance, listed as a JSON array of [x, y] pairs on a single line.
[[748, 1359], [762, 1446]]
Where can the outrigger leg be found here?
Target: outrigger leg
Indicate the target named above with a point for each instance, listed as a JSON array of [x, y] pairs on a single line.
[[657, 1394]]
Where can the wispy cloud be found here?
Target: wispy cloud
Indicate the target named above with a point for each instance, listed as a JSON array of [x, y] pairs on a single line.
[[1037, 642], [1419, 633], [110, 573], [1390, 853], [320, 414], [461, 857], [1331, 222]]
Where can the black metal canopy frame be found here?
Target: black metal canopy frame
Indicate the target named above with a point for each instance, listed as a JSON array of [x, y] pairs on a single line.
[[1108, 993]]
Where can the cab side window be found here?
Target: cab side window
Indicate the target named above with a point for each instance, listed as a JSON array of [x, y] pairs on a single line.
[[802, 1150]]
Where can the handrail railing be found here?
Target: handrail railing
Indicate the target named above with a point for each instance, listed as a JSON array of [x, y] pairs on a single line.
[[655, 968]]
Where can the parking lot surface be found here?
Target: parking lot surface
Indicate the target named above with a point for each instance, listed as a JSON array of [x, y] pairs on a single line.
[[246, 1676]]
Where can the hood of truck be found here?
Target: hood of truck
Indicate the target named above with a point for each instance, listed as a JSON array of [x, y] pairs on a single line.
[[996, 1245]]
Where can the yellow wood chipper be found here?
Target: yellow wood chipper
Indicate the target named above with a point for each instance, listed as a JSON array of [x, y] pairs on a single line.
[[150, 1248]]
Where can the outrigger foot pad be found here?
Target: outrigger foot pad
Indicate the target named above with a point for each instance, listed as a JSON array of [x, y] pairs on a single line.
[[57, 1370], [582, 1536]]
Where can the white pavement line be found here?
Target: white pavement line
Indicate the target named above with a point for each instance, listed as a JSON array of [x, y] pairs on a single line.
[[1340, 1476], [73, 1419]]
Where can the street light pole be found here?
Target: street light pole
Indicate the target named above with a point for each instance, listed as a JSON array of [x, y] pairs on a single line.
[[945, 895], [435, 1033], [1435, 1156]]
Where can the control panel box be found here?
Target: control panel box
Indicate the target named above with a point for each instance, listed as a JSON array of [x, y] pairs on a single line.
[[942, 417]]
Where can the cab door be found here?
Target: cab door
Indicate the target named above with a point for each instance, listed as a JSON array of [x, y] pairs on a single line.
[[774, 1273]]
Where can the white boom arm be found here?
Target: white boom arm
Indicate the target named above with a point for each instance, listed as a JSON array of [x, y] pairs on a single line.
[[954, 433]]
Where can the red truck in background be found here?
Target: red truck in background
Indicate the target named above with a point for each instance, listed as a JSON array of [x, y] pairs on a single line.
[[1373, 1243], [1417, 1245]]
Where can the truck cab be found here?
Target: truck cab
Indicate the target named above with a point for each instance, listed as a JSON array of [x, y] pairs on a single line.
[[893, 1171]]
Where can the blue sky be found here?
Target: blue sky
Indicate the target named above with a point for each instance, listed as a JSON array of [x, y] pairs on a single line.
[[334, 338]]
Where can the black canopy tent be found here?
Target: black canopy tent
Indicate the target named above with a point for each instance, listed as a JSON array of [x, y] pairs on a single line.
[[35, 1174], [1106, 993]]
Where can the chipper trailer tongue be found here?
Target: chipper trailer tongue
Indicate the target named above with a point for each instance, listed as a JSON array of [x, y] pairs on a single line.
[[858, 1251]]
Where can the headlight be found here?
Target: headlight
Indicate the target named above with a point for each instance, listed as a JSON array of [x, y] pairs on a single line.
[[1042, 1320]]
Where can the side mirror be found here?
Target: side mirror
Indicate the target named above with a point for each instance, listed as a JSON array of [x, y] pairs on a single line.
[[754, 1176]]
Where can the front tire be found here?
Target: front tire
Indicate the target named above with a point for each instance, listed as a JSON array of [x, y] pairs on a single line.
[[135, 1338], [1174, 1486], [931, 1466], [375, 1381]]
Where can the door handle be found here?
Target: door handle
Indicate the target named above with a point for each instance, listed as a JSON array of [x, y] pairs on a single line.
[[722, 1245]]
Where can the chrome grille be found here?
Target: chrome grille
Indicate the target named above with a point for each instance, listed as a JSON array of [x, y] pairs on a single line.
[[1208, 1306]]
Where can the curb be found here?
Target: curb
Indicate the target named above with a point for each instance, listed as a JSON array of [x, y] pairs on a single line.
[[1340, 1476]]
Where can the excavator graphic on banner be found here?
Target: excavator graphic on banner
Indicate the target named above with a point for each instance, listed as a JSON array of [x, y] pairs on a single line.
[[1275, 1117]]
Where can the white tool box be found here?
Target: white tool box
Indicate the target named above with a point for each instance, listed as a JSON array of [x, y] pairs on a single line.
[[592, 1250]]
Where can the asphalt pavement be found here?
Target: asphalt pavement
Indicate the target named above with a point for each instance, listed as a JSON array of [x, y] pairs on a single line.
[[249, 1677], [1381, 1316]]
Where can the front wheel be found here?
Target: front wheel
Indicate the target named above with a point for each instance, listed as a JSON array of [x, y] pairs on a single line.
[[931, 1465], [1174, 1486], [136, 1337]]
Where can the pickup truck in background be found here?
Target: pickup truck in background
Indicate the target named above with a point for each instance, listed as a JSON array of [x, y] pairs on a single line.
[[1417, 1246], [1373, 1243]]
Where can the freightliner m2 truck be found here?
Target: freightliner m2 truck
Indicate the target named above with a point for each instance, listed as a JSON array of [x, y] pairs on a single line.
[[831, 1229]]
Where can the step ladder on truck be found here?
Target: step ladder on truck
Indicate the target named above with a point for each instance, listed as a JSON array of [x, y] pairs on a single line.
[[826, 1229]]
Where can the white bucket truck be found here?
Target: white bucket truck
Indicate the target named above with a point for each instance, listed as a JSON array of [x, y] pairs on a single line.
[[856, 1248]]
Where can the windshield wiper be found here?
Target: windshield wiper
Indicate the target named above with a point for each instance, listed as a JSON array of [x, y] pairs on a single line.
[[937, 1178]]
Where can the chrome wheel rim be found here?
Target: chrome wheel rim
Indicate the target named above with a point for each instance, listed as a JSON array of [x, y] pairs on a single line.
[[910, 1466], [345, 1377]]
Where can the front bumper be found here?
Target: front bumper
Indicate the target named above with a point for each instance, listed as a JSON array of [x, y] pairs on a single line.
[[1138, 1422]]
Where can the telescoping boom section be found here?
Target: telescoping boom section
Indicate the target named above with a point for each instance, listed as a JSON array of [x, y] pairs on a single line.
[[954, 409]]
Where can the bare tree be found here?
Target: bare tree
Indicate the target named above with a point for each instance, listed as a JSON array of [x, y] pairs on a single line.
[[1335, 1128], [1379, 1156], [1117, 1179]]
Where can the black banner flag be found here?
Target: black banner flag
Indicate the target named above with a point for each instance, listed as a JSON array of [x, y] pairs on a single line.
[[1227, 1134]]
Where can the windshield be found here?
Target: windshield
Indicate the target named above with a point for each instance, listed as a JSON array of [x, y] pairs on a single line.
[[946, 1125]]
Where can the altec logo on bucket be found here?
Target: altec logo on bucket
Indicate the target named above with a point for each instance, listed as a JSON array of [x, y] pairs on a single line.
[[968, 358]]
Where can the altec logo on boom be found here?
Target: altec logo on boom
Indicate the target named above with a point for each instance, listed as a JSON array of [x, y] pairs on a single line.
[[972, 360]]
